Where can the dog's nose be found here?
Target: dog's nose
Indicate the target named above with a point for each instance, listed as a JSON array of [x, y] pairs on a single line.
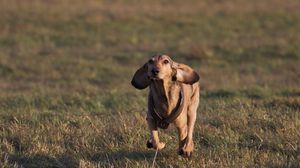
[[155, 71]]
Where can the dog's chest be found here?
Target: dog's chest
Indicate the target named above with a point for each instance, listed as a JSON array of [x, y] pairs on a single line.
[[166, 101]]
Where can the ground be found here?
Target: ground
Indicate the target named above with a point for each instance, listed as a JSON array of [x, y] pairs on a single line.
[[66, 66]]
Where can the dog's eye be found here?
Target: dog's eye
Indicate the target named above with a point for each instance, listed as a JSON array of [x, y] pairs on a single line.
[[150, 61], [166, 61]]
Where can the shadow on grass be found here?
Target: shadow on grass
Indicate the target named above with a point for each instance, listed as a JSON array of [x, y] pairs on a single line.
[[41, 160], [254, 143], [105, 159], [122, 155], [247, 141]]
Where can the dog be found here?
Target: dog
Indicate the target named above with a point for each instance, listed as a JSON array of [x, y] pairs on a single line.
[[173, 98]]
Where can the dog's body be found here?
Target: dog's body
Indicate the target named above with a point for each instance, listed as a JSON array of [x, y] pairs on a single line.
[[173, 98]]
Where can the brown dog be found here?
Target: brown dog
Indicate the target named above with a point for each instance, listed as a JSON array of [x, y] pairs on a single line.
[[173, 98]]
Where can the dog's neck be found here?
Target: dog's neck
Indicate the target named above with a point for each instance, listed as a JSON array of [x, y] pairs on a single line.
[[166, 94]]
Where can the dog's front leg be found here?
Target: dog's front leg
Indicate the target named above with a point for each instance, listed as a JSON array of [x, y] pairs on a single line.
[[185, 126], [154, 141], [182, 135], [188, 146]]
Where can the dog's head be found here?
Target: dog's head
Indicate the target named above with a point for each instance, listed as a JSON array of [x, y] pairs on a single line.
[[162, 67]]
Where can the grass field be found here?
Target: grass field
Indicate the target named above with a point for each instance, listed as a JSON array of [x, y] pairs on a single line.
[[66, 66]]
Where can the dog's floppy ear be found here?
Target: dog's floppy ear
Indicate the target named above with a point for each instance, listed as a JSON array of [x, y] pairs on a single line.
[[140, 78], [184, 73]]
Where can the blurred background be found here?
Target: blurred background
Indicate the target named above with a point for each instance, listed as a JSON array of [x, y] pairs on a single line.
[[92, 46], [71, 62]]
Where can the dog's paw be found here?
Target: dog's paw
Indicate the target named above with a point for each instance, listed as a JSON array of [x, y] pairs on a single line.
[[186, 150], [185, 153], [149, 144], [156, 146], [160, 146]]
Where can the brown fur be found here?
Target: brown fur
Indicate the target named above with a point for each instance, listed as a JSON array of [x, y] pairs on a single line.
[[167, 80]]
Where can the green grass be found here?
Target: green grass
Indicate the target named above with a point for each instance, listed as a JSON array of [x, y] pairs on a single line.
[[66, 98]]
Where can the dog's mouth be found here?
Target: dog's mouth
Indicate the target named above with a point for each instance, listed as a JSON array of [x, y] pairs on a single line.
[[154, 77]]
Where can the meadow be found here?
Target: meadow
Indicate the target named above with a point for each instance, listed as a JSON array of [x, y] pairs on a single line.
[[66, 66]]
